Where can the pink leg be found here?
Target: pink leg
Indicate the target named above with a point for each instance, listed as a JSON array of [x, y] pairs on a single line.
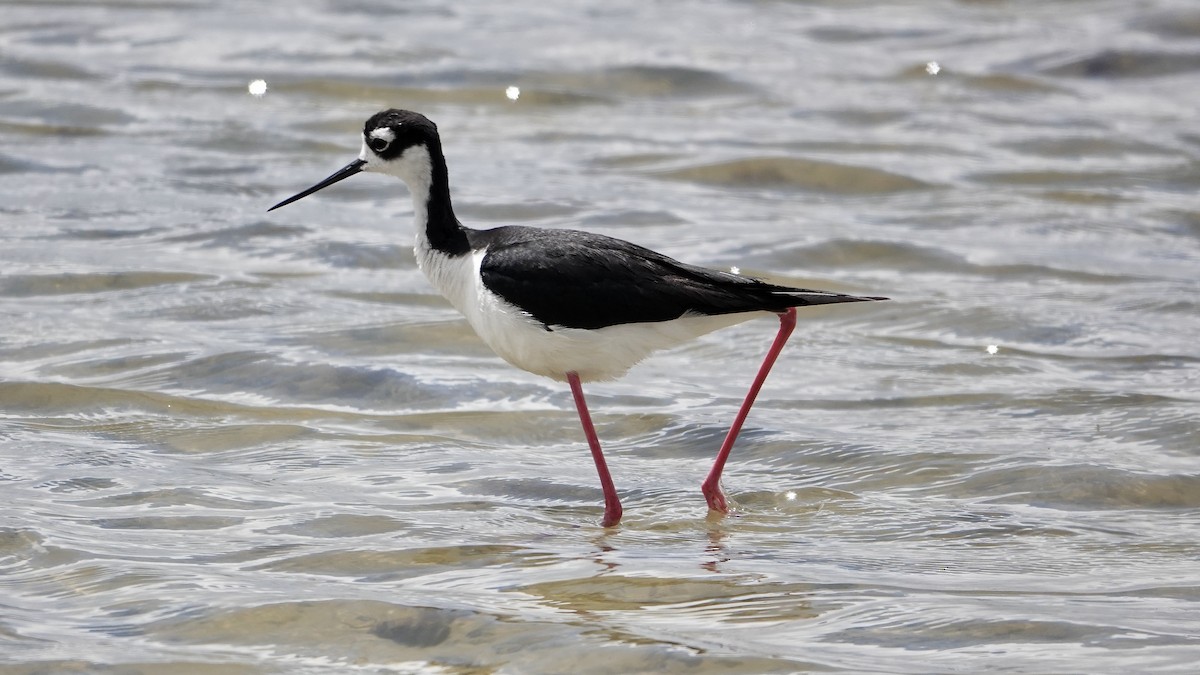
[[711, 487], [612, 505]]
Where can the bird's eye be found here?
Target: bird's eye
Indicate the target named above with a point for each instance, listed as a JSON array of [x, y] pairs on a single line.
[[378, 144]]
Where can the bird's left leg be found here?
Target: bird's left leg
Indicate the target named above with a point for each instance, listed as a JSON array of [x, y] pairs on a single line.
[[711, 487], [612, 504]]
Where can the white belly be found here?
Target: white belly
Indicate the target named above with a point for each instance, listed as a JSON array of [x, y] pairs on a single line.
[[601, 354]]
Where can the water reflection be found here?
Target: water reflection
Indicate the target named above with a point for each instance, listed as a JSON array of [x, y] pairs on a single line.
[[715, 552]]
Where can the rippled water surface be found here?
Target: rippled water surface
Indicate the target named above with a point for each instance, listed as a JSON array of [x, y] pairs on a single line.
[[240, 442]]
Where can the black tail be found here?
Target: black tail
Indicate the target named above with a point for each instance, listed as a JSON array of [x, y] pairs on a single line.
[[726, 293], [803, 297]]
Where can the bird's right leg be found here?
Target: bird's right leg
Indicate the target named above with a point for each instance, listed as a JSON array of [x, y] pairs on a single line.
[[712, 484], [612, 504]]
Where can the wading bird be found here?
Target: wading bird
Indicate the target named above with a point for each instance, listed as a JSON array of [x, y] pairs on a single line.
[[566, 304]]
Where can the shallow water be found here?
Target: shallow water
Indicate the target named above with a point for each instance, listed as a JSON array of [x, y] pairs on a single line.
[[239, 442]]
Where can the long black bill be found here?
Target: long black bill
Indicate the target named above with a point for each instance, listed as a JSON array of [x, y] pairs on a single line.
[[339, 175]]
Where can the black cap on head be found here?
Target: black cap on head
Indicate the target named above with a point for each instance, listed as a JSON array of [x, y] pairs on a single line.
[[390, 132]]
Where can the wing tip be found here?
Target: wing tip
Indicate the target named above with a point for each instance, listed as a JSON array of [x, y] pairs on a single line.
[[803, 298]]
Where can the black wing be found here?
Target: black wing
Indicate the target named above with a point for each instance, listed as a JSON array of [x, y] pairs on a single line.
[[582, 280]]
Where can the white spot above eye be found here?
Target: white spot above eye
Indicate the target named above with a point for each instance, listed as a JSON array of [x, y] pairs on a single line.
[[384, 133]]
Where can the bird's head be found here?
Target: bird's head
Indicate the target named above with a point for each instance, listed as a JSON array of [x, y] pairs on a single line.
[[399, 143]]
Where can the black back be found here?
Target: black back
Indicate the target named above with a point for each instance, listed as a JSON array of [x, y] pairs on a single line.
[[578, 279]]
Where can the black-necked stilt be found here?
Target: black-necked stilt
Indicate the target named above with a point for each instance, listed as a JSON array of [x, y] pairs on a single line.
[[566, 304]]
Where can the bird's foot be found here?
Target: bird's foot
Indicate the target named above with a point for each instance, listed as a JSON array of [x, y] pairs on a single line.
[[612, 515], [714, 497]]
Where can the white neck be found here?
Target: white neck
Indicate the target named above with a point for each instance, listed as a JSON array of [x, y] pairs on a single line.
[[420, 200], [415, 168]]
